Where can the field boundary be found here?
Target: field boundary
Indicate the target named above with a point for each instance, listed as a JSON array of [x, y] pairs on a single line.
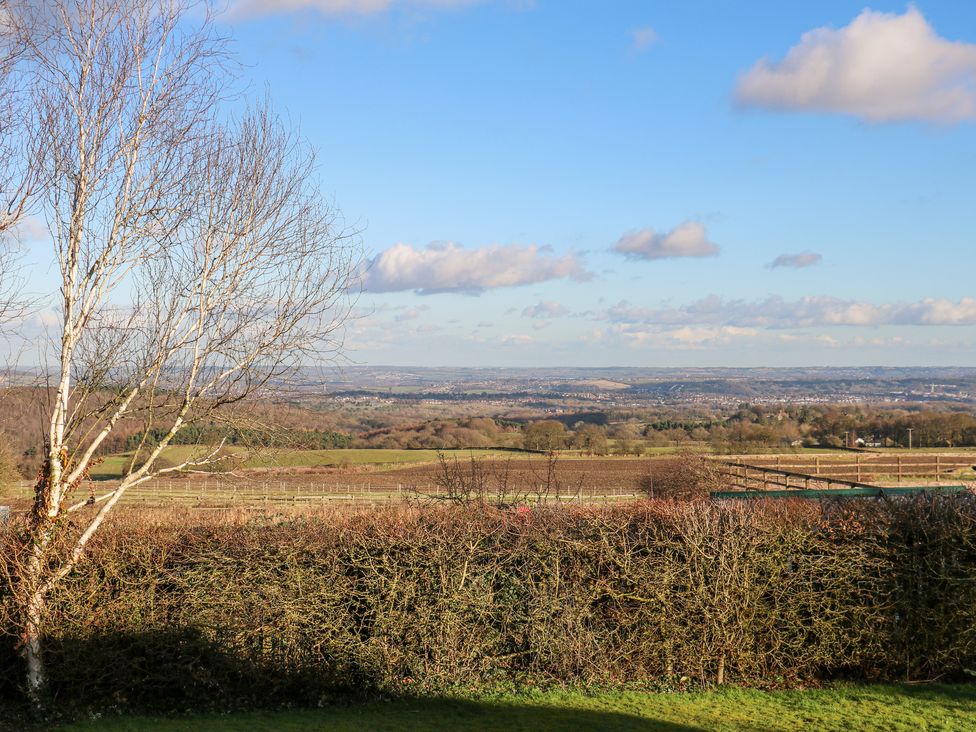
[[863, 468], [210, 493]]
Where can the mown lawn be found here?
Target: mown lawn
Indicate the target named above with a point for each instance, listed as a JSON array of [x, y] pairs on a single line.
[[860, 708]]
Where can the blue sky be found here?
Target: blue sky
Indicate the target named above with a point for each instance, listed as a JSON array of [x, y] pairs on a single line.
[[572, 182]]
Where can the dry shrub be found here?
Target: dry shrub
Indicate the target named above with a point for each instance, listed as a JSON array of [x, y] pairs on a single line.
[[686, 476], [172, 612]]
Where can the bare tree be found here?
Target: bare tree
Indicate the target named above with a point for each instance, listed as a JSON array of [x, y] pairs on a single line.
[[198, 264], [18, 173]]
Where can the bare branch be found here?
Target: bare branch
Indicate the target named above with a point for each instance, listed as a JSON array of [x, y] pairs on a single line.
[[199, 266]]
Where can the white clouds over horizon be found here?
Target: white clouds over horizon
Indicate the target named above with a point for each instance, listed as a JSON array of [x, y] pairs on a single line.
[[882, 67], [447, 267], [808, 312], [688, 239]]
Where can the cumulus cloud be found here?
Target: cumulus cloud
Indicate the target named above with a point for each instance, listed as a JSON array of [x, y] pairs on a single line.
[[796, 261], [686, 240], [253, 8], [449, 267], [882, 67], [643, 38], [807, 312], [545, 309]]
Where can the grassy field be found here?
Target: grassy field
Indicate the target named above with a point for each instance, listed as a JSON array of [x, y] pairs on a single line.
[[862, 708], [375, 475], [933, 450], [112, 466]]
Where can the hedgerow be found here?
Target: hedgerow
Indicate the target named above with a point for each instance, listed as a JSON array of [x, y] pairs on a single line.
[[173, 613]]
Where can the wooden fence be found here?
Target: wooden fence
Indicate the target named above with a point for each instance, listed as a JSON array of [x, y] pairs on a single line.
[[244, 493], [757, 472]]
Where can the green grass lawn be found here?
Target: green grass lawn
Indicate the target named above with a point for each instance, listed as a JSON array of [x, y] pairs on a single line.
[[854, 708]]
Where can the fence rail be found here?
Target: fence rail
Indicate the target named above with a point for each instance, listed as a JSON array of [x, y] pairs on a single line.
[[227, 493], [864, 468], [756, 477]]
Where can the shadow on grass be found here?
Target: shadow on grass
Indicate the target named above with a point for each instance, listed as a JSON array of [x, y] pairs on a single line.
[[878, 708], [429, 715], [183, 671]]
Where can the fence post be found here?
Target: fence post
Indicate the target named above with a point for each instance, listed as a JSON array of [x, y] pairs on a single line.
[[899, 468]]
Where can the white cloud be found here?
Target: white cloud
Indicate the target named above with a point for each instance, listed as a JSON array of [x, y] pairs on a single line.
[[686, 240], [807, 312], [31, 229], [545, 309], [820, 339], [643, 38], [408, 314], [682, 338], [723, 335], [797, 261], [882, 67], [516, 340], [253, 8], [449, 267]]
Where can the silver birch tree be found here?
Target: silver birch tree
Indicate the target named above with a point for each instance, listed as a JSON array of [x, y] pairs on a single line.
[[197, 264]]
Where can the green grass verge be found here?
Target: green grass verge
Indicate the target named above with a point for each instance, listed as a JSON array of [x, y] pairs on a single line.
[[861, 708]]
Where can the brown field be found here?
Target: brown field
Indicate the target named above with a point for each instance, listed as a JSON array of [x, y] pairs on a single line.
[[595, 479], [587, 480]]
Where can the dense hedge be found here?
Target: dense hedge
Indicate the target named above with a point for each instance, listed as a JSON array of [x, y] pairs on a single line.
[[175, 615]]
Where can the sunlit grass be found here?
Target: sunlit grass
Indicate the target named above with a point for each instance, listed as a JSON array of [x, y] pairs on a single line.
[[112, 466], [861, 708]]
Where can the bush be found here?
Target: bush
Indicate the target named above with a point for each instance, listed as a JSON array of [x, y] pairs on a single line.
[[188, 614], [686, 476]]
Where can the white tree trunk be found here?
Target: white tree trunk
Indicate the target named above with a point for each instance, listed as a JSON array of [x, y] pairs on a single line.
[[34, 603], [36, 675]]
